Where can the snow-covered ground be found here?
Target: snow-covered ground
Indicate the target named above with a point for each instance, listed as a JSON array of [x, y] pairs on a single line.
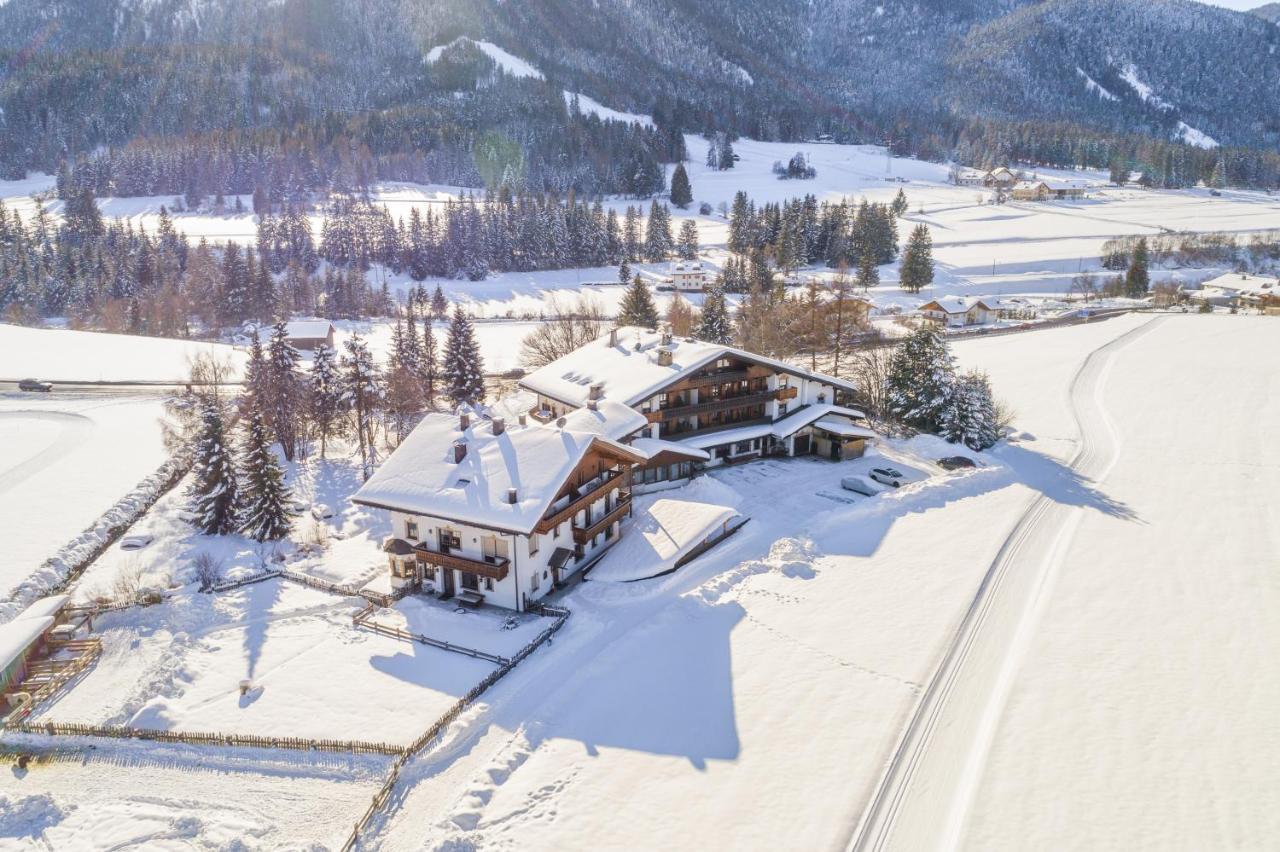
[[64, 460], [62, 355]]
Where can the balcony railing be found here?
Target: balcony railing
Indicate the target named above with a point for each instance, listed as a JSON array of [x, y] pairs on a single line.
[[717, 378], [744, 401], [610, 480], [582, 535], [496, 570]]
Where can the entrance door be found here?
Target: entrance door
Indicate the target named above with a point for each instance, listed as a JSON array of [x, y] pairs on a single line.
[[802, 445], [836, 450], [446, 582]]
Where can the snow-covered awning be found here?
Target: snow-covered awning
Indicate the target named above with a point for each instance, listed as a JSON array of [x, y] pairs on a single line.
[[843, 428], [652, 447]]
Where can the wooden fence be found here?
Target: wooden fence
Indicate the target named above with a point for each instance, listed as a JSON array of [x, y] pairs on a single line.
[[228, 585], [92, 650], [201, 738], [438, 727], [362, 619]]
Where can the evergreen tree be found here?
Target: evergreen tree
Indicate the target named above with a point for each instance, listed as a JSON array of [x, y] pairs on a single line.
[[213, 489], [715, 325], [624, 272], [265, 513], [917, 260], [282, 405], [970, 415], [658, 241], [439, 304], [325, 395], [687, 243], [1137, 280], [462, 368], [920, 378], [362, 397], [681, 191], [637, 306], [899, 205], [868, 272], [428, 362]]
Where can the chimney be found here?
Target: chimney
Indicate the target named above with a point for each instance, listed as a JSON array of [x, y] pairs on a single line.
[[613, 336], [596, 391], [666, 335], [511, 496], [464, 421], [459, 451], [499, 425], [592, 405], [524, 419], [664, 357]]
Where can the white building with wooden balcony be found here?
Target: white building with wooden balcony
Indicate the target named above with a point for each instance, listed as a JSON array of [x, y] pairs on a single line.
[[483, 512], [697, 397]]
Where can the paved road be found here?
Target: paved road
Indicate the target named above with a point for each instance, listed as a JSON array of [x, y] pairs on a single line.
[[923, 798]]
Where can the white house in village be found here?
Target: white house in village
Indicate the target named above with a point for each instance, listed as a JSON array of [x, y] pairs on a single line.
[[689, 276], [309, 334], [502, 510], [957, 311]]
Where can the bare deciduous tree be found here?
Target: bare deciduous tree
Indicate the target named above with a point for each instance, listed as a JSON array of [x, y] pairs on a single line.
[[570, 327]]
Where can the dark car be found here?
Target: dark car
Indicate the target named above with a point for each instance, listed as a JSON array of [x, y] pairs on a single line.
[[34, 385], [956, 463]]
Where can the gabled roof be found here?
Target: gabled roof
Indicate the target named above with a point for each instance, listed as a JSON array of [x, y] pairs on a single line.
[[611, 419], [629, 372], [954, 304], [421, 476], [308, 328], [788, 425], [1238, 281]]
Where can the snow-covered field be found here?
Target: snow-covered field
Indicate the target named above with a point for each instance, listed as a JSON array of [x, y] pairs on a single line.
[[64, 460], [62, 355]]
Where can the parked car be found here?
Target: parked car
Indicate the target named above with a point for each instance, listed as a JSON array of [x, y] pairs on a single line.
[[136, 542], [35, 385], [956, 463], [888, 476], [859, 485]]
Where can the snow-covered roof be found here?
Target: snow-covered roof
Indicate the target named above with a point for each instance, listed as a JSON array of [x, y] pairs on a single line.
[[51, 605], [779, 428], [1065, 183], [843, 428], [651, 447], [611, 419], [660, 535], [954, 304], [422, 477], [1241, 281], [1029, 184], [629, 371], [687, 266], [307, 329]]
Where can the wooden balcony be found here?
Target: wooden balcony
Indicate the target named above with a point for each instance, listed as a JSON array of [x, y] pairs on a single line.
[[614, 479], [582, 535], [789, 392], [496, 570], [744, 401], [716, 378]]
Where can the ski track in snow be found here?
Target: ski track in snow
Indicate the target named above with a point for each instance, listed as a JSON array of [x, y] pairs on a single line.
[[923, 798], [72, 430]]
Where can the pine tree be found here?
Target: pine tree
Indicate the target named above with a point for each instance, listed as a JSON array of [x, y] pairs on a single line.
[[361, 395], [439, 304], [681, 191], [868, 272], [637, 306], [265, 513], [715, 325], [917, 260], [213, 489], [970, 415], [462, 368], [624, 272], [428, 362], [657, 240], [899, 205], [324, 394], [920, 379], [283, 403], [1137, 280], [687, 243]]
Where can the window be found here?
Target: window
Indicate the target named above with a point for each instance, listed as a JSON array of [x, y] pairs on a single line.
[[488, 584], [743, 447], [411, 530], [450, 540], [493, 549], [533, 543], [430, 574], [533, 582], [557, 531]]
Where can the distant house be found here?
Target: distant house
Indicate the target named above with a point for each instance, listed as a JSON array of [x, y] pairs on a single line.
[[1030, 190], [968, 177], [309, 334], [1240, 290], [689, 276], [956, 311], [1001, 178]]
